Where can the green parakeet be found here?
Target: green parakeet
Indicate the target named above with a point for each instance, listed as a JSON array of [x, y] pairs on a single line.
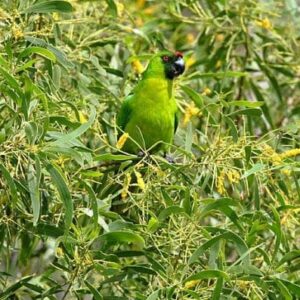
[[149, 114]]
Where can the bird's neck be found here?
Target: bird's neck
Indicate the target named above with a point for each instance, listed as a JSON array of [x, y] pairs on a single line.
[[158, 86]]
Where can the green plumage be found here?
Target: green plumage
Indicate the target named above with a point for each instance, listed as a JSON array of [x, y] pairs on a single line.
[[149, 115]]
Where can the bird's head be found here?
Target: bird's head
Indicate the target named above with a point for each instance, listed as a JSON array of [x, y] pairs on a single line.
[[166, 64]]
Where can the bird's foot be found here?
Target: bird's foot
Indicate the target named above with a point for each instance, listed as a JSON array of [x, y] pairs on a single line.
[[169, 158]]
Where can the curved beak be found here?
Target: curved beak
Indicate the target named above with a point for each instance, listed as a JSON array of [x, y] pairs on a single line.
[[179, 66]]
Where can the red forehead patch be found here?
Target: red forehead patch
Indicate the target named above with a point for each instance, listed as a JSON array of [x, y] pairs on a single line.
[[178, 54]]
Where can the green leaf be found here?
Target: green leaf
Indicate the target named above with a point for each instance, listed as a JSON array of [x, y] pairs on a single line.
[[63, 191], [11, 81], [207, 274], [154, 295], [292, 287], [219, 75], [165, 213], [196, 97], [94, 291], [246, 103], [255, 169], [233, 129], [112, 7], [65, 138], [49, 6], [113, 157], [140, 269], [226, 235], [10, 182], [223, 205], [10, 290], [116, 237], [288, 257], [252, 112], [37, 50], [33, 180], [283, 289]]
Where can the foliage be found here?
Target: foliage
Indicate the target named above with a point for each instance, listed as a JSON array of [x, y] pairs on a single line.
[[79, 218]]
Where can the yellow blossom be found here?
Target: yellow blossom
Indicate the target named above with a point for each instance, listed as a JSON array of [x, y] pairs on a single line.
[[190, 38], [264, 23], [150, 10], [218, 64], [137, 66], [220, 183], [122, 140], [140, 3], [17, 32], [140, 180], [219, 37], [233, 176], [59, 252], [55, 16], [82, 118], [120, 8], [290, 153], [286, 172], [269, 153], [206, 91], [139, 22], [190, 111], [190, 284], [126, 186], [190, 61]]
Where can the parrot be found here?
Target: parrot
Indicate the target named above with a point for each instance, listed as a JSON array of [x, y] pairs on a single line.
[[149, 114]]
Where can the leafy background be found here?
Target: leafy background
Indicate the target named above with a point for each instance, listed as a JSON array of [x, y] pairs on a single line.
[[80, 220]]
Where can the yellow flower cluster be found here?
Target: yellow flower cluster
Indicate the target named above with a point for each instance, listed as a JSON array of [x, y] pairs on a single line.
[[137, 66], [219, 37], [220, 183], [290, 153], [206, 92], [190, 284], [190, 112], [190, 38], [126, 186], [140, 180], [269, 153], [122, 140], [190, 61], [232, 175], [17, 33], [264, 23]]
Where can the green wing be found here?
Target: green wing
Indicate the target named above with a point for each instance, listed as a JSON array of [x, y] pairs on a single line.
[[124, 114]]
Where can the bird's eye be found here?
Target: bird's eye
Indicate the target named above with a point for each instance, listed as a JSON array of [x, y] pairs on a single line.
[[165, 58]]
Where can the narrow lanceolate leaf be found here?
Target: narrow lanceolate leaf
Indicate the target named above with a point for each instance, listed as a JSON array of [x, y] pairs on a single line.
[[37, 50], [294, 254], [10, 182], [49, 7], [116, 237], [77, 132], [33, 181], [10, 80], [196, 97], [246, 103], [207, 274], [255, 169], [4, 294], [94, 291], [63, 191], [226, 235]]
